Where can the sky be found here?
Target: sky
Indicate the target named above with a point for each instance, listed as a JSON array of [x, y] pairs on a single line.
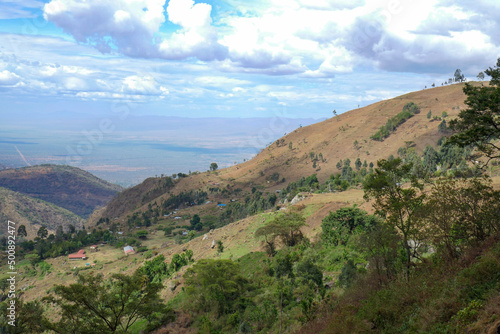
[[234, 58]]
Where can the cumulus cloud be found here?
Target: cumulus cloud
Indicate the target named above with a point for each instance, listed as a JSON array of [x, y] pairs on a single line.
[[143, 85], [130, 26], [197, 37], [312, 38], [8, 78]]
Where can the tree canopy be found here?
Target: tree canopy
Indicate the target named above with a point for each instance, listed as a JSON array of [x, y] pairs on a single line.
[[285, 227], [96, 305], [215, 286], [338, 226], [399, 205], [479, 124]]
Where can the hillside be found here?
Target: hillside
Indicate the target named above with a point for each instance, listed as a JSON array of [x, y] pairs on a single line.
[[156, 218], [32, 213], [346, 136], [67, 187]]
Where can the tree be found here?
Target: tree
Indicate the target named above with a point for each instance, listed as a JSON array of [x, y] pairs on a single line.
[[429, 114], [338, 226], [479, 124], [480, 76], [155, 269], [289, 226], [286, 227], [220, 247], [215, 286], [42, 232], [381, 247], [21, 231], [460, 213], [29, 318], [196, 223], [430, 159], [401, 206], [339, 165], [142, 234], [442, 126], [358, 164], [459, 77], [213, 166], [267, 232], [95, 305]]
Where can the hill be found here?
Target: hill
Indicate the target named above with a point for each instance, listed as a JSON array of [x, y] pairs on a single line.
[[315, 149], [67, 187], [32, 213]]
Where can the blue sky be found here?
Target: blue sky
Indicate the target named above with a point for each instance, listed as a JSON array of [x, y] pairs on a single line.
[[235, 58]]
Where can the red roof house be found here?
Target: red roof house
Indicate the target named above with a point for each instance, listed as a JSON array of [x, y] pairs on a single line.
[[78, 256], [128, 250]]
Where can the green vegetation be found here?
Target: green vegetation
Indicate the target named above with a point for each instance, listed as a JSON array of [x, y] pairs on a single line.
[[252, 204], [157, 269], [479, 124], [67, 187], [409, 110], [401, 207], [95, 305]]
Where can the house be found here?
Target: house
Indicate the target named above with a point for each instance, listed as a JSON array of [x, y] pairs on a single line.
[[77, 256], [221, 206], [94, 248], [128, 250]]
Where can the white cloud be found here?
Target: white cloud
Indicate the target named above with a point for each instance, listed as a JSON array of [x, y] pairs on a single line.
[[220, 81], [143, 85], [314, 38], [8, 78], [73, 83], [196, 38], [130, 25]]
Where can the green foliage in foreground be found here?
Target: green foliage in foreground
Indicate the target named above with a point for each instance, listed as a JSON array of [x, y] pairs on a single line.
[[94, 305]]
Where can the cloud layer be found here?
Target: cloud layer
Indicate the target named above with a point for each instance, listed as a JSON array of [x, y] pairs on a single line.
[[317, 39], [235, 56]]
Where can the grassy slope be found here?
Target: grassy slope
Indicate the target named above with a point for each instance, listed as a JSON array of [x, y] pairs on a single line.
[[71, 188], [32, 212]]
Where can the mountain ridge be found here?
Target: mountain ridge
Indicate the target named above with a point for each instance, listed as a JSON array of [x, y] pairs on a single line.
[[68, 187]]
